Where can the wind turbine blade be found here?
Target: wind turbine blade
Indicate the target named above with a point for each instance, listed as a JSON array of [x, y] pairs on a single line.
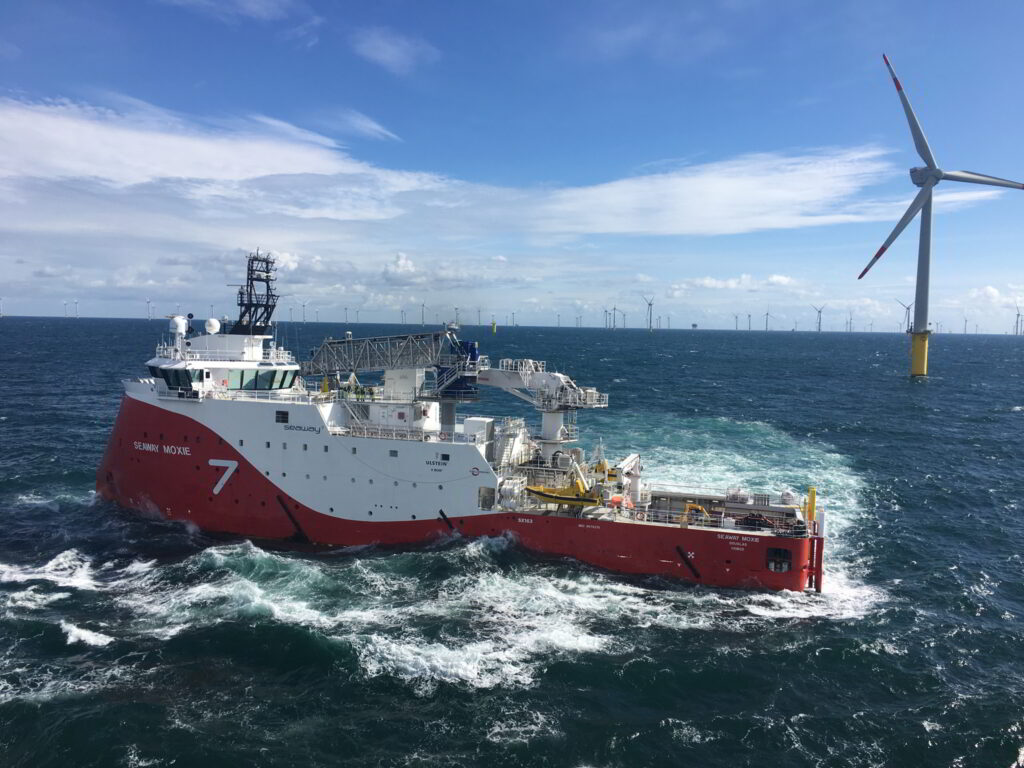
[[980, 178], [915, 206], [915, 127]]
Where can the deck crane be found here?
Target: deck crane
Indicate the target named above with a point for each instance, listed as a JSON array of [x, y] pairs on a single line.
[[553, 394]]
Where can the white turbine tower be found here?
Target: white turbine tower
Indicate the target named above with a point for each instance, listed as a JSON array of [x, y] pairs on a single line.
[[925, 178], [650, 311]]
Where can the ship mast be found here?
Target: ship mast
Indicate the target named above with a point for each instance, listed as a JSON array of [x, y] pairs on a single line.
[[257, 298]]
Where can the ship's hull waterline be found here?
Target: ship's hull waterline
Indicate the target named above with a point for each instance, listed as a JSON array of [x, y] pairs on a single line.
[[161, 461]]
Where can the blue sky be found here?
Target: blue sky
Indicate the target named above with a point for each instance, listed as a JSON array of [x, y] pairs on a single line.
[[545, 158]]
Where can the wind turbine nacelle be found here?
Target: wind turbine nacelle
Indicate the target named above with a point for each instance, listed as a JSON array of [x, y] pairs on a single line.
[[921, 176]]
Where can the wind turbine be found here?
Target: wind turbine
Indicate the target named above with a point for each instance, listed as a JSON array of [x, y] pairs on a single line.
[[737, 319], [1016, 325], [76, 309], [748, 321], [304, 303], [650, 311], [925, 178], [818, 310], [767, 315], [66, 311], [906, 320]]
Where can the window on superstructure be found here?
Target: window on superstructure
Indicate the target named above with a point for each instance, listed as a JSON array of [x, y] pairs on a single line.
[[154, 371], [289, 379], [265, 380], [281, 417], [393, 453], [234, 379], [248, 379]]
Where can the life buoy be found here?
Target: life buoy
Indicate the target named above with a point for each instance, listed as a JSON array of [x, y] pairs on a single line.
[[640, 515], [442, 435]]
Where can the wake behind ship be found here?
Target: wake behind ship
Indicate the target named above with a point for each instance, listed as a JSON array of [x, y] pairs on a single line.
[[363, 445]]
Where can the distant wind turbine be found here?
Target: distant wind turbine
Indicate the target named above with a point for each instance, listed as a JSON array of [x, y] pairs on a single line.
[[906, 319], [818, 310], [925, 178], [650, 312], [767, 315]]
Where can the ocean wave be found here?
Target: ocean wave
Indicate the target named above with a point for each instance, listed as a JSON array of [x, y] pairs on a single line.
[[68, 569], [87, 636]]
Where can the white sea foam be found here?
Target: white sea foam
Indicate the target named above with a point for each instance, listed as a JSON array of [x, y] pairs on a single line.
[[32, 599], [68, 569], [86, 636], [521, 728]]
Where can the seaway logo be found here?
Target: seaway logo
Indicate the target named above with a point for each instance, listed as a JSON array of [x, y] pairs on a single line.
[[297, 428]]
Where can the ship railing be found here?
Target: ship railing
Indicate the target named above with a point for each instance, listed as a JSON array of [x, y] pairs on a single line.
[[273, 395], [399, 433], [731, 496], [585, 397], [171, 351], [522, 365], [721, 520]]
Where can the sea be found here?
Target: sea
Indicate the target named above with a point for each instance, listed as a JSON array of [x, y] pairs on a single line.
[[129, 641]]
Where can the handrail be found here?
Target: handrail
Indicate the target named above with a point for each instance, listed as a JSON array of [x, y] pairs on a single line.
[[172, 352]]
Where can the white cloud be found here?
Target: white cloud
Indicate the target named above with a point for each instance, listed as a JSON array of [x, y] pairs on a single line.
[[401, 271], [353, 121], [63, 139], [116, 197], [397, 53], [744, 194]]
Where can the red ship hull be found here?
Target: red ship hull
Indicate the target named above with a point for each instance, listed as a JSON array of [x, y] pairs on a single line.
[[250, 505]]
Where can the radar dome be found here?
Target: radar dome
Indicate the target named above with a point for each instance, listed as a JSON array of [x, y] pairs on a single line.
[[212, 326], [179, 325]]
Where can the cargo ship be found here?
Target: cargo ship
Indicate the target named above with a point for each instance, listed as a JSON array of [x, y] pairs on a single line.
[[363, 444]]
